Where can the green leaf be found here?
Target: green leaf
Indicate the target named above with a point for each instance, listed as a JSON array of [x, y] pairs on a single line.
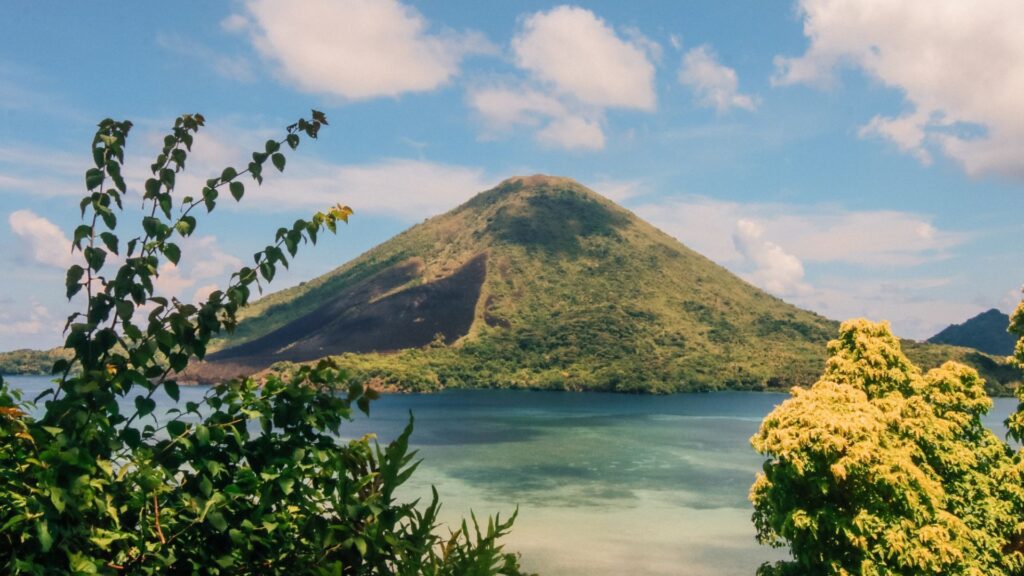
[[125, 309], [108, 217], [164, 200], [151, 226], [82, 232], [237, 190], [186, 225], [43, 533], [110, 241], [286, 484], [279, 161], [152, 187], [93, 178], [95, 257], [216, 519], [360, 546], [293, 141], [171, 387], [176, 428], [167, 177], [267, 270], [205, 487], [228, 174], [210, 198], [172, 252], [144, 405], [202, 435]]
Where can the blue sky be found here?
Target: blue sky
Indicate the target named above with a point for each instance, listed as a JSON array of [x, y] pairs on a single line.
[[855, 158]]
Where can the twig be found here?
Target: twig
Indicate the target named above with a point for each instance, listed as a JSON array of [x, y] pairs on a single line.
[[156, 516]]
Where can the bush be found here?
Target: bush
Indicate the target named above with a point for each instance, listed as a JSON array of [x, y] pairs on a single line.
[[253, 479]]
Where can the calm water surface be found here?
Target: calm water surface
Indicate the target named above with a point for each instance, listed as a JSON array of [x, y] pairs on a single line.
[[605, 483]]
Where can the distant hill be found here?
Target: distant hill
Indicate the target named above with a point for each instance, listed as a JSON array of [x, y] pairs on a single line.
[[31, 362], [986, 332], [541, 283]]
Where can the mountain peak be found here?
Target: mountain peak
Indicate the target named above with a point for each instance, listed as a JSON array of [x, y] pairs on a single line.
[[538, 180], [537, 282], [987, 332]]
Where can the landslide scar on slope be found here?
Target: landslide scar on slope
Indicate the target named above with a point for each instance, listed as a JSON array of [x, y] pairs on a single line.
[[406, 319]]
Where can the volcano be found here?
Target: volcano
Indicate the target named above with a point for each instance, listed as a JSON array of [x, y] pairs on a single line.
[[539, 282]]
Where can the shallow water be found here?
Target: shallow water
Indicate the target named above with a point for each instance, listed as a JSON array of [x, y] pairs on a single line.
[[605, 483]]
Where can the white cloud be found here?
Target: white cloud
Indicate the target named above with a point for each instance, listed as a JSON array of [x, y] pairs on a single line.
[[875, 238], [506, 108], [714, 85], [42, 240], [557, 123], [576, 68], [356, 49], [580, 55], [775, 270], [960, 66], [573, 133]]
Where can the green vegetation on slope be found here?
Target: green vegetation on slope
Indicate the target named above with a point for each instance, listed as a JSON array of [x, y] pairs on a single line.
[[578, 294]]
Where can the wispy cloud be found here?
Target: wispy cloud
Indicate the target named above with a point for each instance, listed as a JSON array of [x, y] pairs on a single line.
[[713, 84], [777, 246], [404, 188], [826, 233], [232, 67]]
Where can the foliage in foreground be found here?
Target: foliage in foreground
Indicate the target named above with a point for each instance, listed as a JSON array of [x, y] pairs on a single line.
[[252, 480], [882, 469]]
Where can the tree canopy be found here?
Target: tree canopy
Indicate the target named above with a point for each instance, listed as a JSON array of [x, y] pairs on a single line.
[[879, 468]]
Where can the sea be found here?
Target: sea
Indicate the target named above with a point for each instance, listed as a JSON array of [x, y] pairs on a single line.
[[604, 484]]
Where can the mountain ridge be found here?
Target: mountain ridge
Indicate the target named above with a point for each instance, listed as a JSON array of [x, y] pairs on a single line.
[[572, 291]]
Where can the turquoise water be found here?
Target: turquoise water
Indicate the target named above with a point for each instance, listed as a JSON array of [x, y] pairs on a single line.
[[605, 483]]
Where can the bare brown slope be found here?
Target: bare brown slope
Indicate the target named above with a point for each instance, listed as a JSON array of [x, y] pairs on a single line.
[[355, 322]]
